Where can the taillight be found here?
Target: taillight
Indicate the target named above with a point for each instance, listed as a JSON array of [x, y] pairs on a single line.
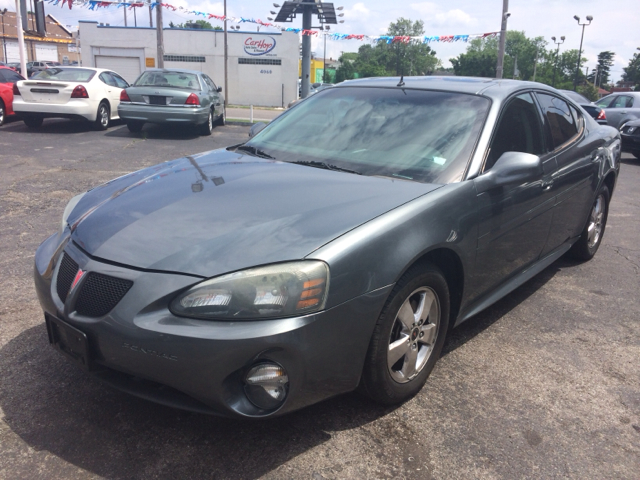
[[15, 90], [124, 97], [192, 100], [601, 115], [79, 92]]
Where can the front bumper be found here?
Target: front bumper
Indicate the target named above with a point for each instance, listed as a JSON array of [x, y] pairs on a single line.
[[205, 361], [163, 114], [74, 108]]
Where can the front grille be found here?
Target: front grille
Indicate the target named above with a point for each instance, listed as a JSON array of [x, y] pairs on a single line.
[[66, 274], [99, 294]]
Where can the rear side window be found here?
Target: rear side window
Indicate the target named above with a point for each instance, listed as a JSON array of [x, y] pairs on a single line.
[[519, 130], [621, 102], [120, 82], [559, 118], [108, 79], [604, 102]]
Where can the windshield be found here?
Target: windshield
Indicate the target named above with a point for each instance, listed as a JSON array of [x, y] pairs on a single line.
[[424, 136], [168, 79], [65, 74]]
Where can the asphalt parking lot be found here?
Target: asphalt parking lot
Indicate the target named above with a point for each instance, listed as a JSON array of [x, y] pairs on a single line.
[[544, 384]]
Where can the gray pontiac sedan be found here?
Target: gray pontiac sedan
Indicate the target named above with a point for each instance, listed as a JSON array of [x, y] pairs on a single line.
[[173, 96], [332, 251]]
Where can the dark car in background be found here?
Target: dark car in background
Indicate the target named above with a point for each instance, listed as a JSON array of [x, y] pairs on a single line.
[[591, 108], [174, 97], [630, 134], [8, 78], [332, 251], [620, 108]]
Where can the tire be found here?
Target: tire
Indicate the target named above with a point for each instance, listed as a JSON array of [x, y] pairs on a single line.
[[591, 237], [102, 117], [33, 122], [207, 127], [3, 113], [135, 127], [222, 119], [393, 375]]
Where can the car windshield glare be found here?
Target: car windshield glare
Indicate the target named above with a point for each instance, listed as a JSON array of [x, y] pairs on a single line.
[[419, 135], [188, 81], [65, 74]]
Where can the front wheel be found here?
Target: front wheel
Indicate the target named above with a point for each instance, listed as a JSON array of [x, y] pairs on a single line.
[[591, 237], [102, 117], [2, 113], [408, 337]]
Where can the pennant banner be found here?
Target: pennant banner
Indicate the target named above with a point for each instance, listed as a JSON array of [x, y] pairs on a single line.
[[95, 4]]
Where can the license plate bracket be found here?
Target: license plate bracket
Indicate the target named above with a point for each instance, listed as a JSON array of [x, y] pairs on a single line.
[[73, 343]]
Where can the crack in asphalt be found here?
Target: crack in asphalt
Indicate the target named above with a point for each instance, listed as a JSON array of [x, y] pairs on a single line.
[[616, 249]]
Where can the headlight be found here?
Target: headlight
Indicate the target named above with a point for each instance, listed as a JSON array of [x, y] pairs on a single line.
[[285, 289], [68, 209]]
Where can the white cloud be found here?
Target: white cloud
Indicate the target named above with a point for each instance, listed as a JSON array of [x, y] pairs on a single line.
[[433, 15]]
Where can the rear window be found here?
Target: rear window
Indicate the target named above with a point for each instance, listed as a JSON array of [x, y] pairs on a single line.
[[188, 81], [65, 74]]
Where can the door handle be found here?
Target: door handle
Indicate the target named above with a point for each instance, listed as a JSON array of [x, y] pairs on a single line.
[[547, 185], [624, 111]]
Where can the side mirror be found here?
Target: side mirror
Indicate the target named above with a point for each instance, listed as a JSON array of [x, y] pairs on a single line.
[[256, 128], [219, 89], [511, 169]]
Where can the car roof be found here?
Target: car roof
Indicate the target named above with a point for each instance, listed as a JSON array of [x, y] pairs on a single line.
[[491, 87], [170, 70]]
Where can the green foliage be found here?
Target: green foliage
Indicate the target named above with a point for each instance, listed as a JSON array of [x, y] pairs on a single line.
[[632, 71], [202, 24], [531, 54], [589, 90], [388, 59], [605, 62]]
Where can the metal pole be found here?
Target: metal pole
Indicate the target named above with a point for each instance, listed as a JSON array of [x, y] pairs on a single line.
[[160, 34], [306, 50], [324, 60], [555, 67], [150, 17], [535, 66], [135, 20], [226, 58], [23, 63], [4, 40], [575, 80], [124, 10], [503, 38]]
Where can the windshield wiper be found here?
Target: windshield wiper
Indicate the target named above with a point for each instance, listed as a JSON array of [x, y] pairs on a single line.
[[254, 151], [326, 166]]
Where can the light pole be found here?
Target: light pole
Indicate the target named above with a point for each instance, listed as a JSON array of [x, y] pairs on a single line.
[[555, 67], [503, 38], [4, 41], [588, 22], [324, 53]]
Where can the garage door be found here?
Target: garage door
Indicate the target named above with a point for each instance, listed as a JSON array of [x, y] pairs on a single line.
[[46, 52], [13, 52], [127, 67]]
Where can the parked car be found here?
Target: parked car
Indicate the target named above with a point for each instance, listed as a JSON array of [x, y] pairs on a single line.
[[591, 108], [333, 250], [15, 66], [91, 94], [8, 78], [38, 66], [630, 134], [620, 108], [173, 96]]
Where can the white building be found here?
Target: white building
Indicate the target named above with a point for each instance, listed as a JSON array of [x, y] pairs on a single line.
[[263, 66]]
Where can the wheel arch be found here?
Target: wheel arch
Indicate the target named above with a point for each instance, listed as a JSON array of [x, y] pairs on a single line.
[[610, 182]]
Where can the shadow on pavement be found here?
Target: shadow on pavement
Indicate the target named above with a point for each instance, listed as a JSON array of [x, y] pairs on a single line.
[[162, 132], [54, 406]]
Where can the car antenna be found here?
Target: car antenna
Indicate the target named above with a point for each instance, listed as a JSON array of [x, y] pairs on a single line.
[[401, 82]]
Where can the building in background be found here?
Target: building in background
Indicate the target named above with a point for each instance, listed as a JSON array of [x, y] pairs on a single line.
[[58, 45], [263, 66], [317, 70]]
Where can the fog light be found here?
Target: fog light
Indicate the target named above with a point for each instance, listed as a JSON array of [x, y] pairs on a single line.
[[266, 385]]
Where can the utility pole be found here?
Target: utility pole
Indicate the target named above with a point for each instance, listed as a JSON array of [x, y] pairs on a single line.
[[306, 50], [503, 38], [226, 58], [150, 17], [535, 65], [160, 36], [124, 10], [4, 40], [23, 62]]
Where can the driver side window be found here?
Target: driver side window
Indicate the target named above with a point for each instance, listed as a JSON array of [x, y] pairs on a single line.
[[519, 130]]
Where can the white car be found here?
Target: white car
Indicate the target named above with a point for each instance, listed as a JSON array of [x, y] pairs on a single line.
[[91, 94]]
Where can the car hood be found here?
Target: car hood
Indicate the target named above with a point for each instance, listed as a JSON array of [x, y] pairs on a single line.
[[222, 211]]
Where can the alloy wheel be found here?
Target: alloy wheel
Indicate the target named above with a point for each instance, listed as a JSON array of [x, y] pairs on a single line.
[[413, 335], [596, 221], [1, 114], [104, 116]]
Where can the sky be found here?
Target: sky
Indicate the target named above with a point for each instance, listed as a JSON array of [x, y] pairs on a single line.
[[614, 26]]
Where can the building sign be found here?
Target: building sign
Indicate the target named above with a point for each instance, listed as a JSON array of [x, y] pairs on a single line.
[[261, 45], [149, 62]]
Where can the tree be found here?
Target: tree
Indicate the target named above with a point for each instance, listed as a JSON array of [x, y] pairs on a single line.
[[198, 24], [605, 62], [632, 71]]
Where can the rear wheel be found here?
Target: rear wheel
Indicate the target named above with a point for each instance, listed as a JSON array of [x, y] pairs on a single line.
[[207, 127], [587, 246], [2, 113], [102, 117], [135, 127], [33, 122], [408, 337]]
